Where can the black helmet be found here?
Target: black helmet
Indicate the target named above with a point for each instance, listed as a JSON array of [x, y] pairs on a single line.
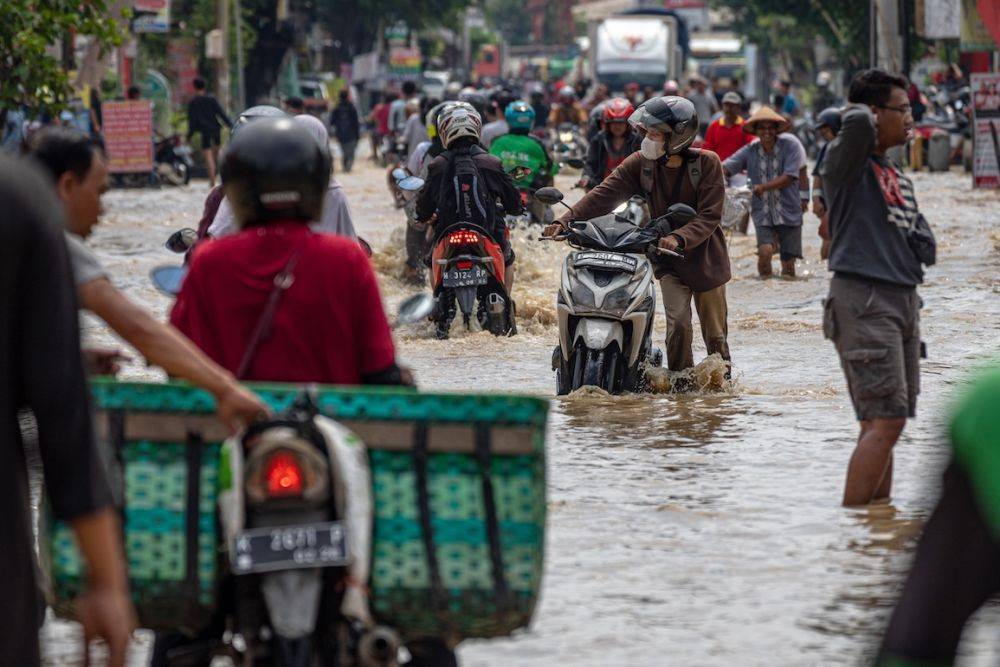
[[253, 113], [674, 116], [274, 169], [477, 100], [830, 117]]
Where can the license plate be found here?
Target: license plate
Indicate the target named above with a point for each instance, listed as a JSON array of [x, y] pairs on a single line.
[[289, 547], [606, 260], [472, 277]]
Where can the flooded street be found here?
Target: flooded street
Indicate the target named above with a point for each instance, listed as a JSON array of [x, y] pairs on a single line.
[[696, 529]]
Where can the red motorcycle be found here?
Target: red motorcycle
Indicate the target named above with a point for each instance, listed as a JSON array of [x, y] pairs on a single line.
[[467, 267]]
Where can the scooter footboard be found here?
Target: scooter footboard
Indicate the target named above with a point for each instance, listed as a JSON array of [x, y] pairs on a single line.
[[459, 504]]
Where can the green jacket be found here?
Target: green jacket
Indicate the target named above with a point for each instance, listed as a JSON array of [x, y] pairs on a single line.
[[521, 150]]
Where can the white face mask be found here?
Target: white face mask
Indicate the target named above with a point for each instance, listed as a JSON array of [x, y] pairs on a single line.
[[652, 150]]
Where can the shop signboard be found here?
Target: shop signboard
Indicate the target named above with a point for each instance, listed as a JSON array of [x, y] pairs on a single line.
[[986, 127], [151, 16]]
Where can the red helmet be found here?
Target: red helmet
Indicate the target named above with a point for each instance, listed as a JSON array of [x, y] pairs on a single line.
[[617, 110]]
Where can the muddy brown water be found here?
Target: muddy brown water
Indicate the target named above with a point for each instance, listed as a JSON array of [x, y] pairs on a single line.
[[692, 529]]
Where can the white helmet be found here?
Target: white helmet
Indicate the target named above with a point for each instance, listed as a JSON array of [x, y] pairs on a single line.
[[459, 119], [567, 92], [823, 79]]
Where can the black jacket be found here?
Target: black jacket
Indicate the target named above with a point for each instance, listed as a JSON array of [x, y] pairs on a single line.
[[597, 155], [41, 370], [205, 115], [498, 183], [345, 122]]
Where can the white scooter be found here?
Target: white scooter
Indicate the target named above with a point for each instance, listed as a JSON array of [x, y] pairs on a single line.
[[607, 299]]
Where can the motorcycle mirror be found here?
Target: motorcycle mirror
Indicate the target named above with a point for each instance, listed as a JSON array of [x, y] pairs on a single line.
[[415, 309], [575, 162], [399, 173], [681, 213], [168, 278], [411, 184], [548, 196], [182, 240], [365, 246]]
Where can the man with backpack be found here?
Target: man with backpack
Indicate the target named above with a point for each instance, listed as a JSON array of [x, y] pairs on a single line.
[[465, 167], [667, 171]]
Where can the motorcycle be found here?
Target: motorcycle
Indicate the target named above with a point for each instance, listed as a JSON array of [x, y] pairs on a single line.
[[569, 146], [525, 218], [173, 160], [607, 297]]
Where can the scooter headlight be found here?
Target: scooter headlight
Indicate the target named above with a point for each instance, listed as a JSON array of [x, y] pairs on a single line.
[[583, 296], [618, 300]]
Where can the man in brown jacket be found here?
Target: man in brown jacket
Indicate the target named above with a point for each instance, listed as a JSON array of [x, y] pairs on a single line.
[[666, 172]]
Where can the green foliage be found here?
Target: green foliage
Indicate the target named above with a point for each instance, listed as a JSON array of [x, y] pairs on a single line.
[[511, 19], [29, 72], [786, 28]]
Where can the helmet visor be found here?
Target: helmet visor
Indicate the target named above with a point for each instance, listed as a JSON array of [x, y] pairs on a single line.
[[641, 119]]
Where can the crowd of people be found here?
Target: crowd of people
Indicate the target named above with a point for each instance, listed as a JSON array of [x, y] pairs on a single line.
[[277, 240]]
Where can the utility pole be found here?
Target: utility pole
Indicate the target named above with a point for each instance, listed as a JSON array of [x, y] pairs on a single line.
[[222, 73], [873, 33], [240, 83]]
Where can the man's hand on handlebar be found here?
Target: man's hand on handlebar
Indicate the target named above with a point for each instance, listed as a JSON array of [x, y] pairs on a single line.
[[670, 242], [555, 229]]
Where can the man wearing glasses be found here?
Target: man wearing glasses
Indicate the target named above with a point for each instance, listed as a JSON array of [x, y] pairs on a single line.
[[872, 314]]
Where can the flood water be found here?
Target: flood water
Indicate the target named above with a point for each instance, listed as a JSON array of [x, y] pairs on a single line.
[[695, 529]]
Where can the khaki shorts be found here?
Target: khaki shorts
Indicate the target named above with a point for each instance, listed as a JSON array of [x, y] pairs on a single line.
[[876, 329]]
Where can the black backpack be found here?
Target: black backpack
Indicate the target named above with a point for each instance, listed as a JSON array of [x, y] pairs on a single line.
[[464, 195]]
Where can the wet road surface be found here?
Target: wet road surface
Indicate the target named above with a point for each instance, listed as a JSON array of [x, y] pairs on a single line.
[[685, 529]]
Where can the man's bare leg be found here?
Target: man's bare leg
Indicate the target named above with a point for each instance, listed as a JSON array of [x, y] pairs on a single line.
[[765, 253], [885, 488], [209, 155], [788, 268], [508, 278], [867, 471]]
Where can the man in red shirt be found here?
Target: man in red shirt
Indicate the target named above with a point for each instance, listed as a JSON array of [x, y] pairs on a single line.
[[277, 302], [725, 135]]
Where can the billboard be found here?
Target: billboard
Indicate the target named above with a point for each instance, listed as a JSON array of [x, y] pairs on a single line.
[[151, 16]]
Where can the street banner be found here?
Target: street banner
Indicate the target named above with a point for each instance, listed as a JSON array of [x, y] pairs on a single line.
[[986, 125], [128, 136], [975, 35], [404, 63], [182, 54], [151, 16], [939, 19]]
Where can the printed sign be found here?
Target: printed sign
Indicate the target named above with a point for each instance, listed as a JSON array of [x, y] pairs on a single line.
[[128, 135], [939, 19], [151, 16], [986, 123], [404, 63]]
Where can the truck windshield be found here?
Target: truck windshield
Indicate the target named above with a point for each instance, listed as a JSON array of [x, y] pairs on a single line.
[[616, 81]]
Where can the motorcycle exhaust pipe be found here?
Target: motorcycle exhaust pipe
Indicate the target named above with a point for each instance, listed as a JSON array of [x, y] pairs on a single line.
[[379, 647], [496, 303]]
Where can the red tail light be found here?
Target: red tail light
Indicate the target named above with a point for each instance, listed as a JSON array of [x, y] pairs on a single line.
[[283, 475], [524, 197], [463, 237], [464, 265]]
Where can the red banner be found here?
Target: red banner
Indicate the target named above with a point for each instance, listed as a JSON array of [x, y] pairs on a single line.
[[989, 11], [182, 54], [128, 135]]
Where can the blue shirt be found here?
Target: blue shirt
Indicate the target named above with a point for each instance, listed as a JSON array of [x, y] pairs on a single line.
[[776, 207]]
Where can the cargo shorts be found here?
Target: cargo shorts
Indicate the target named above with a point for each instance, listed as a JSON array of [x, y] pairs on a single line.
[[876, 330]]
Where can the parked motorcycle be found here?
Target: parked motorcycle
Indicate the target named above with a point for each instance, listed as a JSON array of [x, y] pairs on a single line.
[[173, 160], [607, 298]]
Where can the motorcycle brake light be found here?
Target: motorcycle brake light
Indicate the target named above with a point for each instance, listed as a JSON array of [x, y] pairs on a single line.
[[524, 197], [463, 237], [464, 265], [283, 475]]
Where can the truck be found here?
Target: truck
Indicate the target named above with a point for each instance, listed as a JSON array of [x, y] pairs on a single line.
[[645, 46]]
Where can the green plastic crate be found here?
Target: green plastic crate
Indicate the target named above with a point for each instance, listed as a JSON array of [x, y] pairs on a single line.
[[175, 580]]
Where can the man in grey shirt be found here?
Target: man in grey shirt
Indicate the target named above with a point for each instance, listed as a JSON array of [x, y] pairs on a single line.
[[872, 313], [704, 103], [773, 166]]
